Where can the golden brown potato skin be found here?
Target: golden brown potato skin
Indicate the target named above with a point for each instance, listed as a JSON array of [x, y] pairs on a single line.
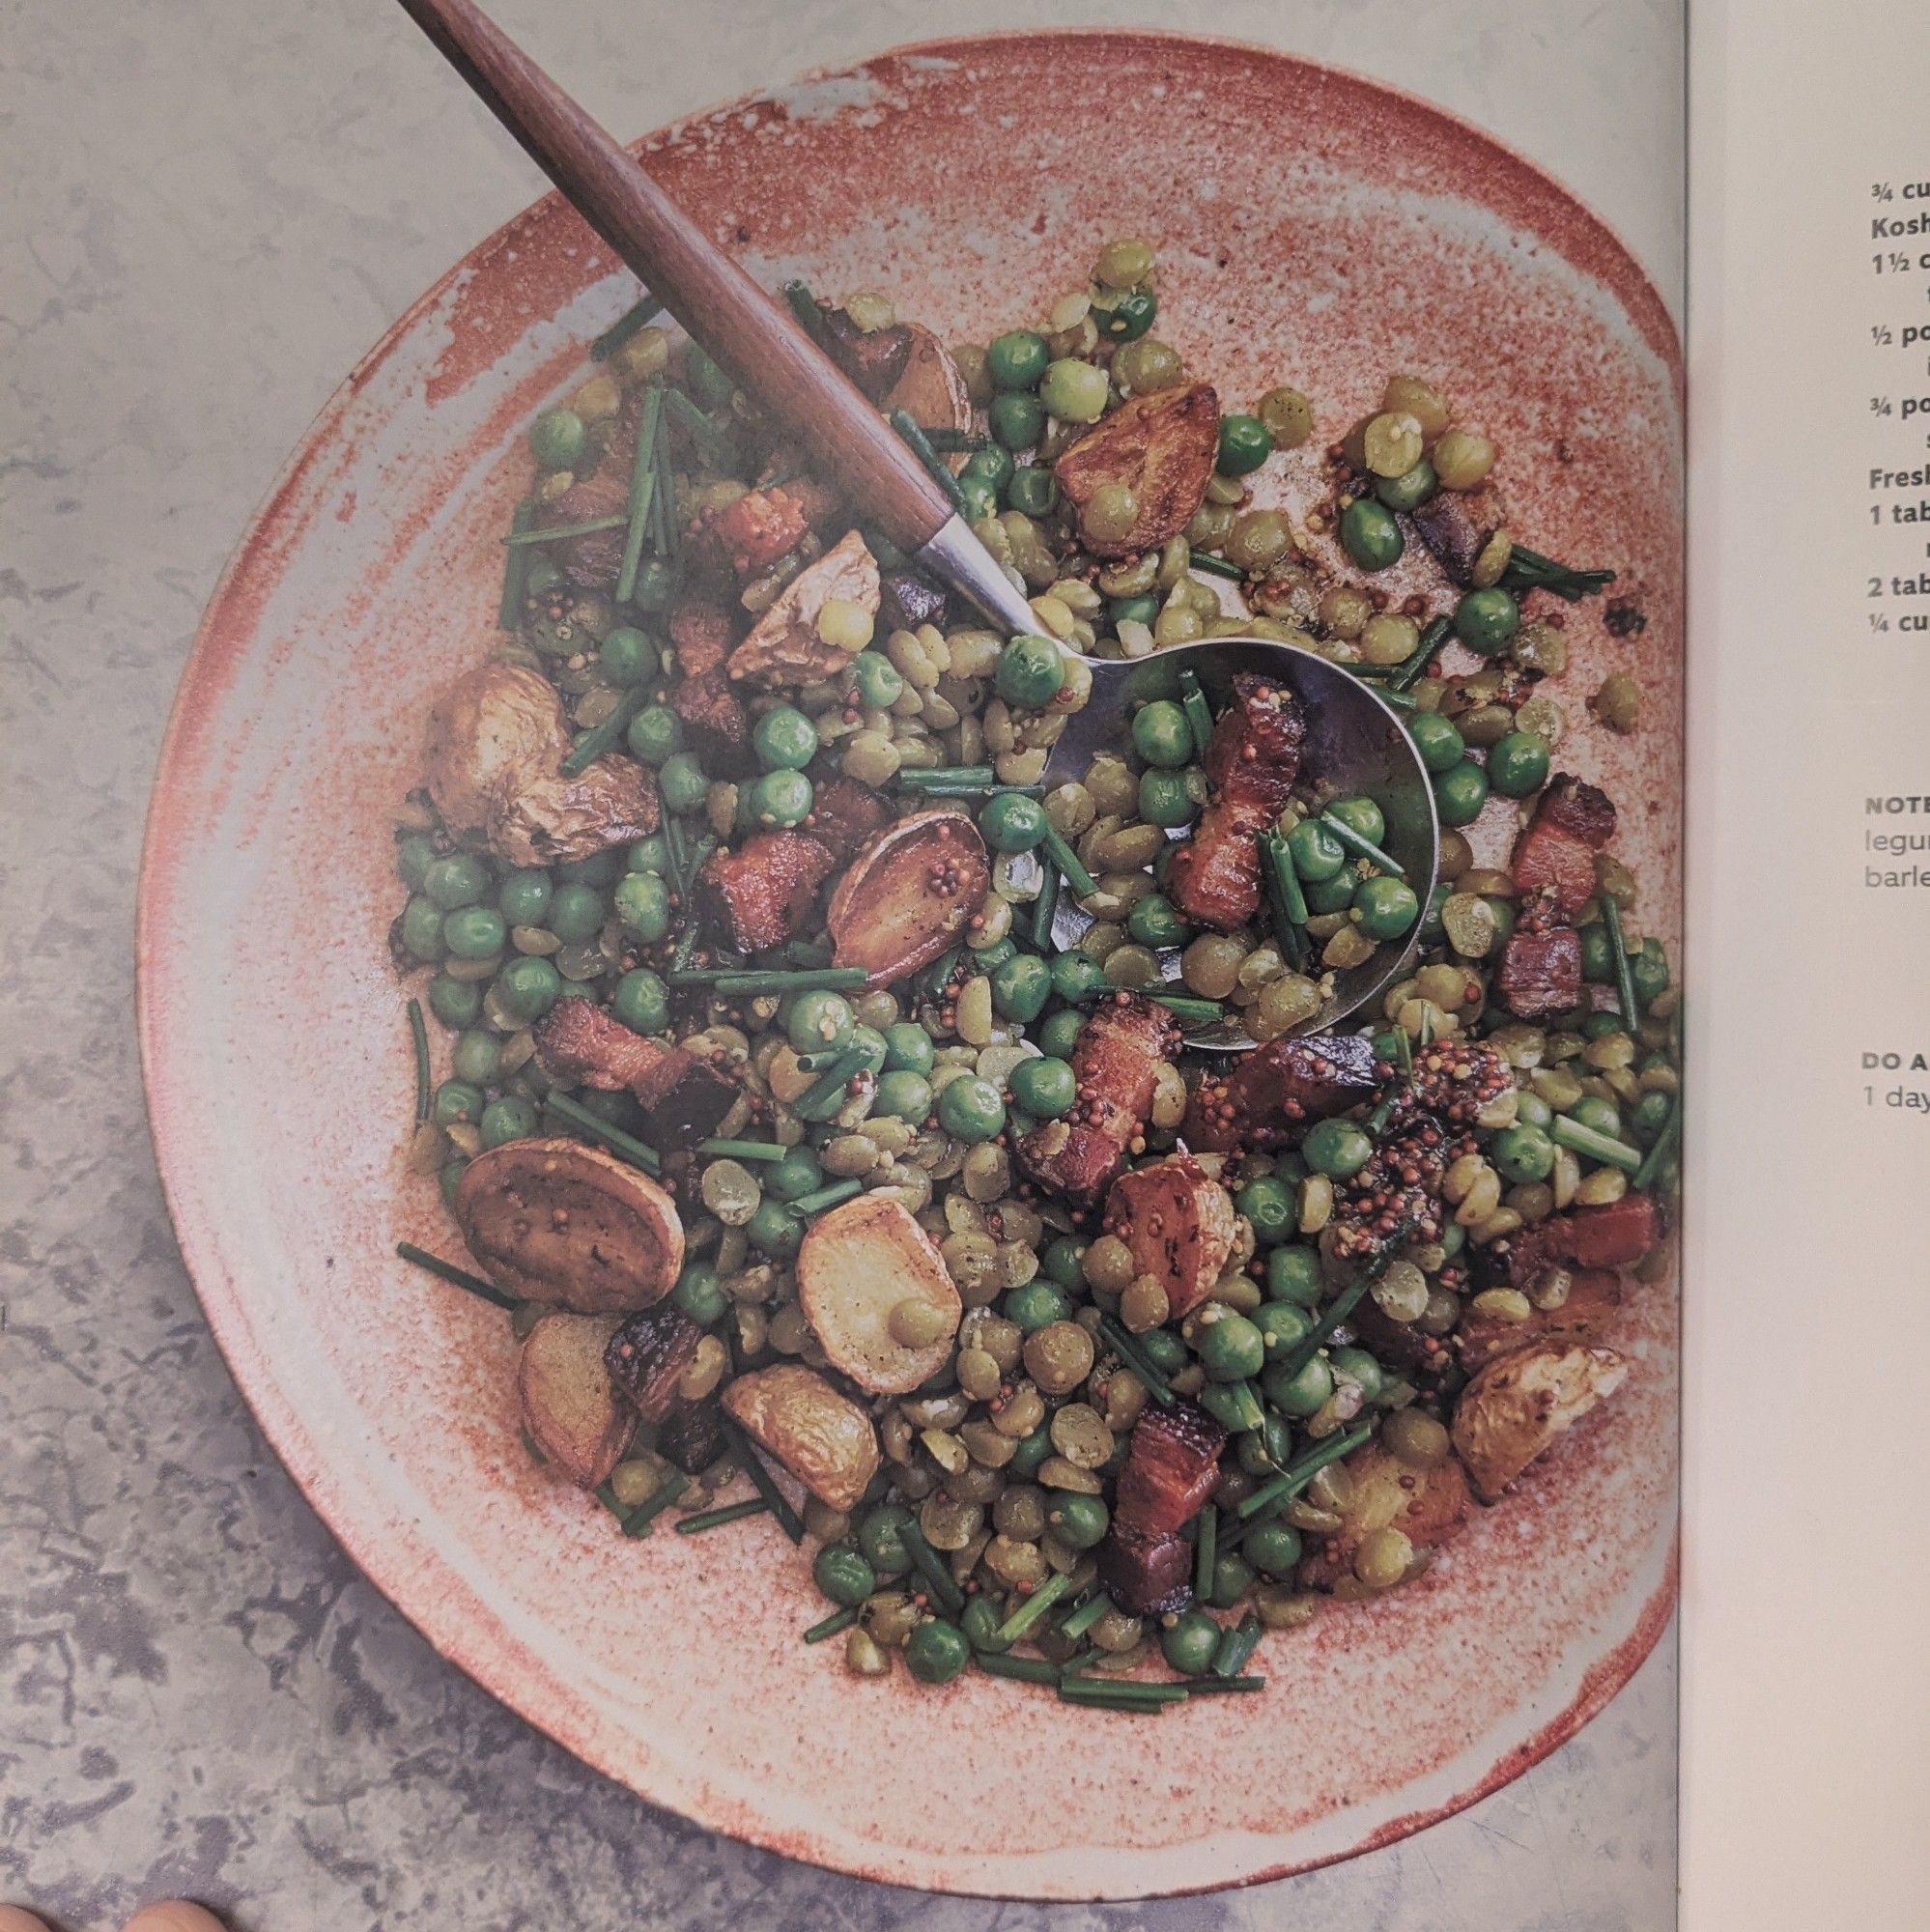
[[857, 1263], [1521, 1400], [822, 1438], [569, 1225], [1179, 1223], [1430, 1506], [908, 893], [574, 1413], [1165, 446], [929, 388], [497, 737]]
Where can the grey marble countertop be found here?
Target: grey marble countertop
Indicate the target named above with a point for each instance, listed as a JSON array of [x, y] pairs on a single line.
[[210, 209]]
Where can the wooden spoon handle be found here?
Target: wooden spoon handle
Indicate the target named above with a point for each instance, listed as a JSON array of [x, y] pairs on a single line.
[[692, 277]]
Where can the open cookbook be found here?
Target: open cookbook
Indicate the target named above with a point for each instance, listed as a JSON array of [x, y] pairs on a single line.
[[1072, 812]]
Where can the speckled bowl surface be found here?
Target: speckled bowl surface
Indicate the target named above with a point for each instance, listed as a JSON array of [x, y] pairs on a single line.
[[1311, 227]]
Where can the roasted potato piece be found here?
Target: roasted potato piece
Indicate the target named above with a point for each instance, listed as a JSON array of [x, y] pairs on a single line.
[[1521, 1400], [822, 1438], [877, 1295], [783, 647], [558, 1222], [929, 388], [1593, 1298], [497, 737], [909, 893], [1164, 446], [1428, 1506], [574, 1413], [1179, 1223]]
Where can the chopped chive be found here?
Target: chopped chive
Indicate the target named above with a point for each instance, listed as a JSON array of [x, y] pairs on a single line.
[[956, 441], [974, 777], [1285, 900], [623, 1145], [817, 1062], [1215, 566], [418, 1035], [1183, 1006], [827, 1197], [1618, 951], [1377, 1121], [807, 953], [1126, 1348], [743, 1149], [1344, 1304], [1529, 570], [484, 1290], [947, 788], [1212, 1683], [1408, 672], [1199, 714], [1362, 847], [934, 464], [1398, 700], [1026, 1669], [696, 1525], [778, 979], [606, 1496], [1404, 1052], [1062, 855], [1123, 1694], [1044, 910], [714, 443], [664, 530], [551, 532], [624, 327], [639, 1520], [1237, 1645], [773, 1498], [838, 1620], [1205, 1550], [1298, 1473], [944, 1586], [515, 570], [1604, 1148], [1034, 1607], [599, 738], [803, 304], [643, 489], [1076, 1623], [686, 951], [1664, 1144], [824, 1095]]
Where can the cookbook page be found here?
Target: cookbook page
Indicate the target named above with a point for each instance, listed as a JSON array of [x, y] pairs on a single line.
[[1806, 1682]]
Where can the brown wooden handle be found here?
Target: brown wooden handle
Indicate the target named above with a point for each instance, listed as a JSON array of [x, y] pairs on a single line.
[[692, 277]]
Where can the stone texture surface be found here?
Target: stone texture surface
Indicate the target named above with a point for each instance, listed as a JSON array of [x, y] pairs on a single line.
[[209, 210]]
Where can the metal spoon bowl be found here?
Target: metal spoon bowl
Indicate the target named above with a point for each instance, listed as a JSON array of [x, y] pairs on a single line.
[[1355, 746]]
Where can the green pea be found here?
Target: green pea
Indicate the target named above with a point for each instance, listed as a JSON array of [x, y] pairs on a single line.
[[1597, 955], [1164, 1349], [1603, 1116], [877, 680], [1230, 1348], [1432, 933], [511, 1117], [1598, 1026], [1361, 815], [474, 932], [1079, 1521], [1032, 1452], [1649, 968], [1333, 894], [908, 1048], [1282, 1324], [980, 1620], [649, 855], [970, 1109], [477, 1058], [524, 897], [1013, 822], [1359, 1368], [1337, 1149], [1045, 1087], [422, 928], [982, 498], [600, 868], [1188, 1643], [1531, 1110], [784, 740], [1030, 671], [657, 585], [414, 854], [1033, 490], [1059, 1033], [1369, 535], [557, 439], [527, 988], [1073, 391], [455, 880], [881, 1536], [904, 1096], [1262, 1451], [1232, 1578], [1299, 1395], [456, 1101], [643, 903], [1154, 921], [774, 1231], [641, 1001], [1130, 317], [1065, 1261], [682, 784], [1076, 975], [1485, 621], [870, 1043], [1316, 852], [799, 1172], [1036, 1304], [819, 1019], [614, 1110], [1459, 793], [456, 1003], [1273, 1549], [1161, 734], [1523, 1154], [629, 657], [542, 575], [705, 378], [1518, 764], [1245, 443], [1018, 419], [781, 798], [1271, 1206], [655, 734], [1650, 1118], [995, 466], [1387, 907], [1437, 739], [699, 1294], [1165, 799], [936, 1651], [577, 913], [1410, 489], [1018, 360]]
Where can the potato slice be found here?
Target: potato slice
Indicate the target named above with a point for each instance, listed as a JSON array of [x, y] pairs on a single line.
[[858, 1264], [908, 893], [822, 1438], [558, 1222], [1521, 1402], [1179, 1223], [1163, 445], [783, 647], [1593, 1298], [572, 1409], [930, 390], [1430, 1506]]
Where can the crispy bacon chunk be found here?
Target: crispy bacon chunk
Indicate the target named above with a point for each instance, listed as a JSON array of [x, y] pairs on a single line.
[[906, 600], [1583, 811], [1179, 1223], [1554, 857], [844, 813], [1400, 1186], [701, 631], [1252, 760], [1455, 527], [875, 358], [683, 1095], [1594, 1294], [1540, 973], [1171, 1467], [765, 888], [1278, 1087], [1147, 1576], [691, 1435], [1117, 1064], [590, 562], [1615, 1234], [648, 1355], [749, 535]]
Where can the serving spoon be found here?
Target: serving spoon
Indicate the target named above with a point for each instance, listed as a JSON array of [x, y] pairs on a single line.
[[1355, 743]]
